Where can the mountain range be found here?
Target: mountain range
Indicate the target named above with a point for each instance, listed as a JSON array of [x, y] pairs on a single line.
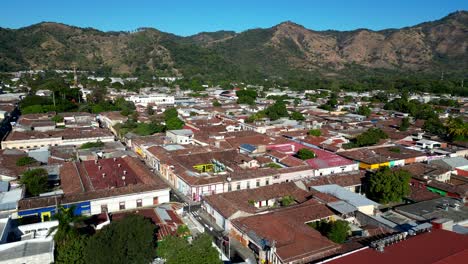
[[430, 47]]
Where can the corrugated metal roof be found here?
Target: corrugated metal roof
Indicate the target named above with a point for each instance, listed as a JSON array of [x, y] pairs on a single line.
[[345, 195]]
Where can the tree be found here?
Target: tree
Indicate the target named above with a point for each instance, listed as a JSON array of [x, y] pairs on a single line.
[[130, 240], [216, 103], [276, 110], [297, 116], [339, 231], [35, 181], [174, 123], [457, 129], [23, 161], [287, 200], [70, 245], [336, 231], [72, 250], [314, 132], [305, 154], [172, 119], [297, 101], [404, 124], [371, 137], [435, 126], [247, 96], [150, 110], [57, 118], [183, 230], [177, 250], [388, 185], [365, 111]]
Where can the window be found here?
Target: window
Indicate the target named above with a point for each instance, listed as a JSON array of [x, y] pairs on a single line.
[[238, 186], [258, 183], [229, 187], [122, 206], [248, 185], [139, 203], [155, 200], [103, 208], [267, 182]]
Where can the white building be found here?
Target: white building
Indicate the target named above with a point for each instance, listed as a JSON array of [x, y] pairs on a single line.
[[180, 136], [156, 99]]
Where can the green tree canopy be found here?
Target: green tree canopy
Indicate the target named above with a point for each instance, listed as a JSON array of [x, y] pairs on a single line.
[[23, 161], [388, 185], [297, 116], [404, 125], [314, 132], [216, 103], [276, 110], [35, 181], [177, 250], [246, 96], [70, 245], [365, 111], [130, 240], [305, 154], [337, 231], [435, 126], [371, 137]]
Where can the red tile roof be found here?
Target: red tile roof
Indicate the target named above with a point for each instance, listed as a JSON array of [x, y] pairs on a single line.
[[438, 246], [294, 239]]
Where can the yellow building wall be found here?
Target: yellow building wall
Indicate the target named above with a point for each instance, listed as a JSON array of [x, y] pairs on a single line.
[[373, 166]]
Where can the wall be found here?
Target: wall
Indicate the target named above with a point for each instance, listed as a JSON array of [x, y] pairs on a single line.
[[113, 203]]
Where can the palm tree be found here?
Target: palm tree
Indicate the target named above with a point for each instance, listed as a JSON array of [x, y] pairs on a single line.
[[67, 223]]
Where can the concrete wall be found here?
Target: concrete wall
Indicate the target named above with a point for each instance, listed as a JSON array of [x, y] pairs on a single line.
[[113, 203]]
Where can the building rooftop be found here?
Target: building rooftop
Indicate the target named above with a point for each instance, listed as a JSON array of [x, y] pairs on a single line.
[[444, 207], [229, 203], [294, 240], [345, 195], [93, 175], [380, 155], [21, 249], [438, 246]]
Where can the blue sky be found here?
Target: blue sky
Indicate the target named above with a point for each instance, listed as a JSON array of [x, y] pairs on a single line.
[[186, 17]]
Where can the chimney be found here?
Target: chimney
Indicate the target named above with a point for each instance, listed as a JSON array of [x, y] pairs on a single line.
[[115, 159], [119, 165], [95, 161], [125, 172], [103, 175], [99, 167]]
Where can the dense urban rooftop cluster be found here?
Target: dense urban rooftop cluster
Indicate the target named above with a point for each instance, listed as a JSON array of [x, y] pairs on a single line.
[[272, 175]]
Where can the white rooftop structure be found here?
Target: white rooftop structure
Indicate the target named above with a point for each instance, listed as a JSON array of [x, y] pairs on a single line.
[[359, 201]]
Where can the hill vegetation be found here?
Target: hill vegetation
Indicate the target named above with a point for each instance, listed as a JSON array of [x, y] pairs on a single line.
[[288, 54]]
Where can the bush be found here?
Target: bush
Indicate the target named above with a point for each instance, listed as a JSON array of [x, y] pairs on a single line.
[[23, 161], [89, 145], [314, 132], [274, 165]]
